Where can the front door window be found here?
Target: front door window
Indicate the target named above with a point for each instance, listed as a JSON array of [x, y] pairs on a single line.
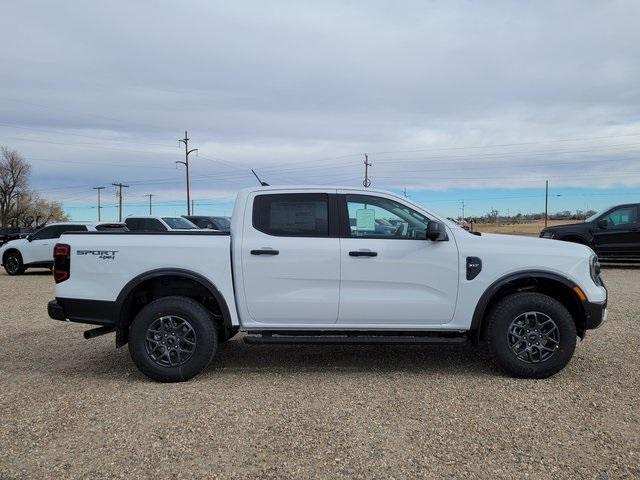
[[379, 217]]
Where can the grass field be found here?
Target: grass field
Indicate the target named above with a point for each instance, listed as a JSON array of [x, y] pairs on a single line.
[[532, 228]]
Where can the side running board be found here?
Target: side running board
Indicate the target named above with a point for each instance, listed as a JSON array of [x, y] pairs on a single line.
[[362, 339]]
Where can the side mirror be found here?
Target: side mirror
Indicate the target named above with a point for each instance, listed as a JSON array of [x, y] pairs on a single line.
[[603, 223], [29, 238], [435, 232]]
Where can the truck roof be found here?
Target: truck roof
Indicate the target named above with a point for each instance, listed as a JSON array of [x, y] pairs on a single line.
[[328, 188]]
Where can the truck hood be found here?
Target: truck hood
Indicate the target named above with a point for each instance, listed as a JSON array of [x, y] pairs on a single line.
[[524, 245], [563, 227], [17, 243]]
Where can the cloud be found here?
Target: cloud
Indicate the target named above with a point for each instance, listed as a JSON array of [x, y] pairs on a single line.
[[461, 94]]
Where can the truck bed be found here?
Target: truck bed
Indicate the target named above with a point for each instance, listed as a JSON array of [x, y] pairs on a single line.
[[102, 263]]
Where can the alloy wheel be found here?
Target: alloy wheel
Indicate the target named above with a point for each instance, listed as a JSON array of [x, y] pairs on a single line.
[[533, 337], [12, 264], [170, 341]]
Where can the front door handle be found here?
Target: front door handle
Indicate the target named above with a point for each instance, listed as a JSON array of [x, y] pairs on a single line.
[[363, 253], [265, 251]]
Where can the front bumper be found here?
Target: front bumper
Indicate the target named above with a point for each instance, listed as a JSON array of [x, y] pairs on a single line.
[[595, 314]]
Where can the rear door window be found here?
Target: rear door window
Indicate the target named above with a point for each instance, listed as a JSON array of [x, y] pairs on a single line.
[[292, 214]]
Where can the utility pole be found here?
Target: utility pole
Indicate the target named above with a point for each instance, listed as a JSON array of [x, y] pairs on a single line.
[[99, 207], [546, 202], [150, 195], [120, 187], [404, 192], [366, 183], [193, 207], [463, 210], [185, 140]]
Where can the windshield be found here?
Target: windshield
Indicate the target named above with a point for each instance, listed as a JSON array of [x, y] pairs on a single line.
[[179, 223], [595, 215]]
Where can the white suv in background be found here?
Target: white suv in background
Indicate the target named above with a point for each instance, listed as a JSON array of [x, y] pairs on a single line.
[[150, 223], [36, 250]]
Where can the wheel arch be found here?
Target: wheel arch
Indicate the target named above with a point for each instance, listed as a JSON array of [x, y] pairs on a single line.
[[11, 250], [162, 282], [555, 285]]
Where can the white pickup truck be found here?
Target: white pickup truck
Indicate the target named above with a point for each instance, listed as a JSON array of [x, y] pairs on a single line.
[[329, 265]]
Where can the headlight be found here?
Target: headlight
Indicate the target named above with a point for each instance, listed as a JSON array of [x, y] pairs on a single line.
[[594, 269], [548, 234]]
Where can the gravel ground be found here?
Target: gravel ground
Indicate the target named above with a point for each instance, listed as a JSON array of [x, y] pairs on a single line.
[[71, 407]]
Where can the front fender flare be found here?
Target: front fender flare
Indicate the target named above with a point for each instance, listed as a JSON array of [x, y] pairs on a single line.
[[494, 288]]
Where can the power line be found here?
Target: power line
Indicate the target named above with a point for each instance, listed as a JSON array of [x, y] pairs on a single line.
[[73, 134], [120, 186]]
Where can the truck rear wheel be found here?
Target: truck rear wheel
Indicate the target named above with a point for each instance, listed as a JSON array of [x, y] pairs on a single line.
[[172, 339], [531, 335]]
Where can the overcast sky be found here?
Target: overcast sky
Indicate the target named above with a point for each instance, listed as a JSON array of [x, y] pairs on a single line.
[[451, 100]]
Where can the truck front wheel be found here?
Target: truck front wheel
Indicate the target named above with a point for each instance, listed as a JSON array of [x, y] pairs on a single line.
[[172, 339], [13, 263], [531, 335]]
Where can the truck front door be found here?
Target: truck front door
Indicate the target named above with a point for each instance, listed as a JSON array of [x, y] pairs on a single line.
[[391, 274], [290, 260], [620, 236]]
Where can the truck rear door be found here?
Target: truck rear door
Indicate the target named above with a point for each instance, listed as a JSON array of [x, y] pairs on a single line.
[[290, 259]]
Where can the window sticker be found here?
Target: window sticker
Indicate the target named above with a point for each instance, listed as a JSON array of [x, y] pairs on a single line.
[[366, 219]]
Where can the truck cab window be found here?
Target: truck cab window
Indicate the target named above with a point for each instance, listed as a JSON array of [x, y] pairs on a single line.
[[621, 216], [153, 225], [378, 217], [295, 214], [179, 223], [54, 231]]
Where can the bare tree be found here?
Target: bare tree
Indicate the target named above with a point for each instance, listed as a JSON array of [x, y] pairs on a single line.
[[34, 211], [14, 182], [19, 206]]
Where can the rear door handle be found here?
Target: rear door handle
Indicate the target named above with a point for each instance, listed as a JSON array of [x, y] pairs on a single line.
[[265, 251], [363, 253]]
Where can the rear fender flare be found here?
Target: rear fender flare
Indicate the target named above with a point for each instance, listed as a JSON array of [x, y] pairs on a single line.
[[122, 322]]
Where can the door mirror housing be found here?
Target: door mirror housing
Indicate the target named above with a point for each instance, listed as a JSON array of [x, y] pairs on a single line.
[[29, 238], [603, 223], [436, 232]]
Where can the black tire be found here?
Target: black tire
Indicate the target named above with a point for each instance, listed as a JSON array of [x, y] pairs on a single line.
[[163, 354], [520, 350], [13, 264]]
